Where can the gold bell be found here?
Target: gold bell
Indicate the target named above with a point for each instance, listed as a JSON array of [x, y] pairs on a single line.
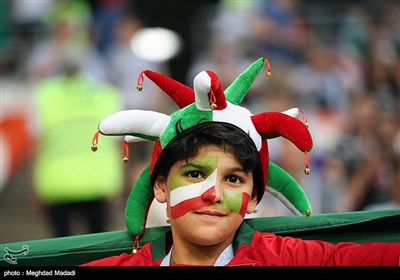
[[135, 245], [308, 212], [213, 106], [307, 171], [139, 87], [94, 148]]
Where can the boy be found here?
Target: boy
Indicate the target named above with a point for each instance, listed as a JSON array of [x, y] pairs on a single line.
[[210, 166]]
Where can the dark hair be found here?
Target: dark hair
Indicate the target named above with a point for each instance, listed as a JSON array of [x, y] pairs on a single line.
[[233, 139]]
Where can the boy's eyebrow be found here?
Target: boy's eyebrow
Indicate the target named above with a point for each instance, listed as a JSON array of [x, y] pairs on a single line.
[[236, 169], [201, 162], [192, 164], [196, 165]]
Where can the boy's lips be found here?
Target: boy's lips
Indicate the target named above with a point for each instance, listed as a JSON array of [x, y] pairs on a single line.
[[214, 213]]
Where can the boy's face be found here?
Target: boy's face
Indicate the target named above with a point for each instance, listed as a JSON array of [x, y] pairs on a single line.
[[207, 197]]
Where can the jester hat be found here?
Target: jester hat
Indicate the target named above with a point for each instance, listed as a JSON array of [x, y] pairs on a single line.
[[209, 102]]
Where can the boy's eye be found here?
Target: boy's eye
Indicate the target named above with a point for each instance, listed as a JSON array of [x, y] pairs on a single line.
[[195, 174], [234, 179]]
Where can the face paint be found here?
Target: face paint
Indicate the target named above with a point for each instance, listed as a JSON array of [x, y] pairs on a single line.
[[190, 197], [185, 198], [235, 201], [206, 165]]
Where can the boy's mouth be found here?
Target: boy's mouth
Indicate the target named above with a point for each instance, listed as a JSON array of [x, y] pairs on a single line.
[[213, 213]]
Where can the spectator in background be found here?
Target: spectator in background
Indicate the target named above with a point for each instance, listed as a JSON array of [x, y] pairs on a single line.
[[67, 176], [105, 15], [394, 189], [320, 82], [124, 66], [68, 35], [278, 29], [68, 76], [367, 153]]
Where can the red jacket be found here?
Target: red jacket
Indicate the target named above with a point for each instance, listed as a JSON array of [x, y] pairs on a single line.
[[254, 248]]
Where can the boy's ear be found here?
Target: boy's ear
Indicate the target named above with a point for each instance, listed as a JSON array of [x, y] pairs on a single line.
[[252, 205], [160, 189]]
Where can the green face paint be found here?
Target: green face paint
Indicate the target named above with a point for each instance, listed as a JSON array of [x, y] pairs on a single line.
[[186, 196], [232, 200], [205, 165]]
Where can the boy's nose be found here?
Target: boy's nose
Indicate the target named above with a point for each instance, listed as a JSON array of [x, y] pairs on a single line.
[[214, 194]]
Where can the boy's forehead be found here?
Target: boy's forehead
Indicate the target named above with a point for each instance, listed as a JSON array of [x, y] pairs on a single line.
[[211, 150], [211, 155], [204, 157]]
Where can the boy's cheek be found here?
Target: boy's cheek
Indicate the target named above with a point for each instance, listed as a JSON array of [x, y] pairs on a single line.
[[236, 201]]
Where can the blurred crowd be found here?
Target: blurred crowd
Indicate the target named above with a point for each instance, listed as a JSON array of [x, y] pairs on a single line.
[[339, 61]]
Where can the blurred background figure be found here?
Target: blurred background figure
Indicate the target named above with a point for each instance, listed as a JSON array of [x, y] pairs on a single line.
[[367, 151], [279, 29], [71, 95], [68, 36], [70, 182]]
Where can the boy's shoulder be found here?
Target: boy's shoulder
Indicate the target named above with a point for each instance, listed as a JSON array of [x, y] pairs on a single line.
[[143, 257]]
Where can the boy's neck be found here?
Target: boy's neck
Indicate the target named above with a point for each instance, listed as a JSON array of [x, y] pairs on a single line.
[[191, 254]]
